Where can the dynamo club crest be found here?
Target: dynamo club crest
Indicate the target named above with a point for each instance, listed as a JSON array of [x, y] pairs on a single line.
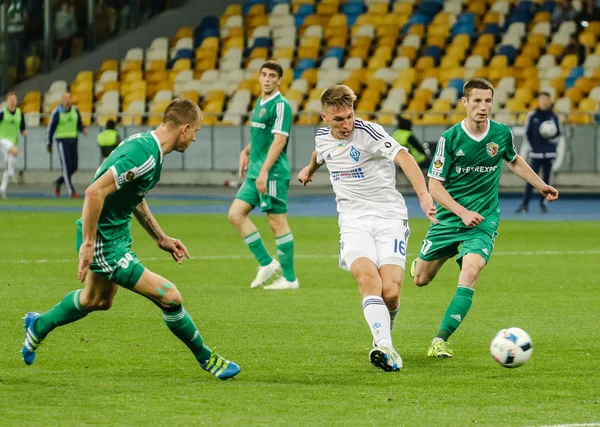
[[355, 154]]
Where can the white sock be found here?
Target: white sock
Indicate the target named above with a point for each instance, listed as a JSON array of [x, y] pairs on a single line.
[[12, 161], [378, 318], [4, 184], [393, 314]]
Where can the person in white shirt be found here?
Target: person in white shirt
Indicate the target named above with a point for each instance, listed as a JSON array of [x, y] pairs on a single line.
[[373, 219]]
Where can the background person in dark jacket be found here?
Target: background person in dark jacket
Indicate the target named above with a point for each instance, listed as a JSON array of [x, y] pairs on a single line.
[[543, 145]]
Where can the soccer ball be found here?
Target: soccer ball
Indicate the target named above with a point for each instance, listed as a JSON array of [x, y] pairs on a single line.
[[548, 129], [511, 347]]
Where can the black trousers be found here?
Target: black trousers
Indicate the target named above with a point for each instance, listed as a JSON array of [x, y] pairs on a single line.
[[67, 152], [546, 165]]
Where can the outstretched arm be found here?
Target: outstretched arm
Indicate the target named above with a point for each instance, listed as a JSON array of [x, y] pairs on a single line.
[[146, 219], [412, 171], [522, 170], [306, 174], [441, 195]]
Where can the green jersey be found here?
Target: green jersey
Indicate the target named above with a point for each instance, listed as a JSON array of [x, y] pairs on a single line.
[[268, 118], [470, 167], [136, 165]]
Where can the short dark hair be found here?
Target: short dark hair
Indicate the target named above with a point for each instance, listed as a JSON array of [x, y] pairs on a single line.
[[544, 93], [110, 124], [272, 65], [182, 111], [476, 83]]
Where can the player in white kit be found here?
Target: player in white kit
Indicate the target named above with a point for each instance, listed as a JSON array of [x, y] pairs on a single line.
[[373, 219]]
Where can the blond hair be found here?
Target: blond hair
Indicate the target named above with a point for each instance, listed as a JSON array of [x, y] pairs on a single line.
[[338, 96], [182, 111], [476, 83]]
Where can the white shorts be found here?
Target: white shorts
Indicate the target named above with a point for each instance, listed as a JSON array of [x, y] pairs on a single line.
[[5, 145], [382, 240]]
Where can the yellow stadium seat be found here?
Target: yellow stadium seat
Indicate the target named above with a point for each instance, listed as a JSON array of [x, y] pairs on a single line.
[[394, 18], [497, 73], [383, 52], [477, 8], [523, 61], [308, 119], [584, 84], [558, 83], [257, 9], [296, 95], [491, 18], [424, 63], [580, 118], [440, 30], [233, 9], [456, 117], [259, 52], [537, 39], [355, 85], [595, 77], [589, 105], [524, 94], [327, 8], [82, 97], [184, 32], [541, 17], [417, 105], [449, 62], [376, 63], [555, 49], [182, 64], [106, 86], [387, 30], [378, 86], [310, 76], [84, 76], [442, 18], [486, 40], [206, 53], [378, 8], [359, 52], [210, 43], [430, 72], [30, 107], [574, 94], [82, 86], [516, 105], [337, 41], [447, 74], [456, 51], [283, 53], [388, 41], [499, 61], [205, 64], [588, 39], [433, 119], [407, 51], [483, 51], [461, 40], [314, 94], [417, 29], [132, 76], [569, 61], [441, 105], [362, 42], [338, 20], [109, 64], [165, 85], [594, 27], [156, 76], [483, 72], [533, 104], [532, 50], [235, 41], [156, 65], [403, 8], [386, 119], [435, 40], [424, 94]]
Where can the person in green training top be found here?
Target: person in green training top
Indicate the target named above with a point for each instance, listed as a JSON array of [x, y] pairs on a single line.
[[267, 183], [463, 179], [12, 123], [405, 137], [108, 139], [104, 241]]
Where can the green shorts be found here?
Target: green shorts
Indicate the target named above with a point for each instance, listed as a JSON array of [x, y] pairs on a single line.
[[274, 202], [442, 241], [114, 260]]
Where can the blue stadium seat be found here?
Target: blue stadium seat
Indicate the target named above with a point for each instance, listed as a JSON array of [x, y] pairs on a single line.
[[336, 52], [463, 29], [208, 32], [492, 29], [420, 18], [509, 51], [524, 6], [547, 6], [516, 17], [577, 72], [466, 18], [303, 64], [351, 19], [261, 42], [353, 8], [570, 82], [429, 8], [458, 85], [435, 52], [182, 54]]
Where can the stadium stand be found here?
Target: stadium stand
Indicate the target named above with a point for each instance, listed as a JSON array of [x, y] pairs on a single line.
[[404, 56]]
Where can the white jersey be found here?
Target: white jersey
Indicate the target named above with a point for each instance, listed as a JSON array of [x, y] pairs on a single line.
[[362, 171]]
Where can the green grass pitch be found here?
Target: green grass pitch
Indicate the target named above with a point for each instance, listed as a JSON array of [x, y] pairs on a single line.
[[304, 353]]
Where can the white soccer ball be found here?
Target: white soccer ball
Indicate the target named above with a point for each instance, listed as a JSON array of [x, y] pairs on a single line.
[[511, 347], [548, 129]]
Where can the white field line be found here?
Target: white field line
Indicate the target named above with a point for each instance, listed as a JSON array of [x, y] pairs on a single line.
[[571, 425], [298, 256]]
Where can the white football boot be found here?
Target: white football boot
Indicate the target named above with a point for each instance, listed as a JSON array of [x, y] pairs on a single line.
[[281, 284], [265, 273]]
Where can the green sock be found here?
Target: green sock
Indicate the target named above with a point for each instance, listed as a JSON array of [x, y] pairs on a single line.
[[257, 247], [457, 310], [67, 311], [182, 325], [285, 250]]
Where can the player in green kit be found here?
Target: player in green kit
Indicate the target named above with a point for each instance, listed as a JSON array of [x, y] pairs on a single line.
[[12, 122], [267, 183], [104, 240], [463, 180]]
